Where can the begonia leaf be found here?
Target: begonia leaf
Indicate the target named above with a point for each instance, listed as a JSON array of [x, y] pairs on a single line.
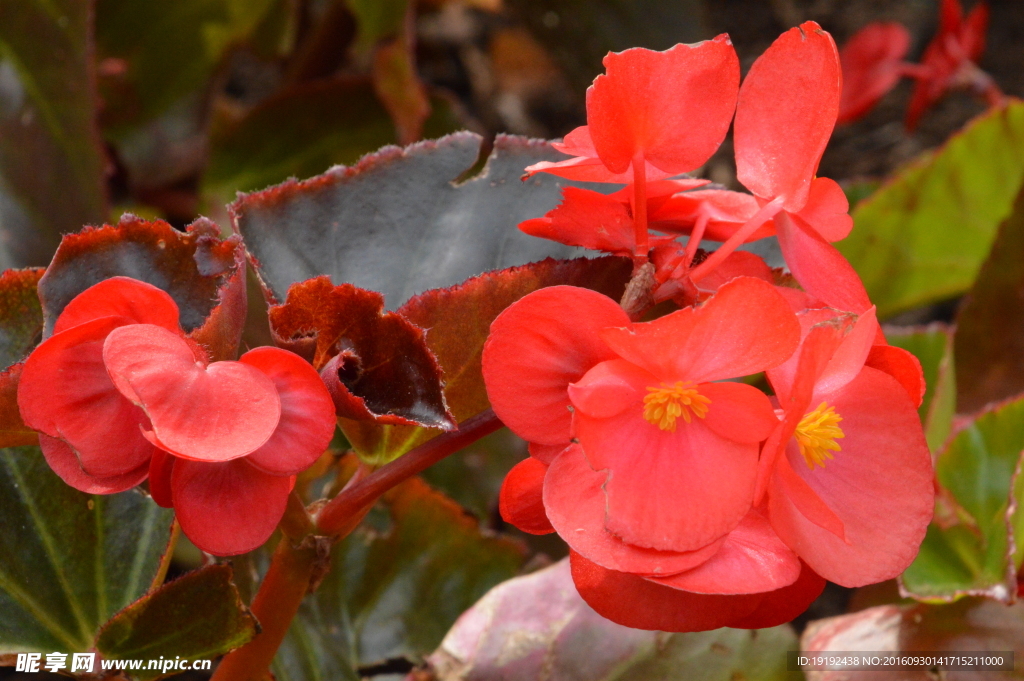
[[428, 231], [990, 326], [376, 365], [457, 321], [47, 123], [69, 560], [559, 636], [972, 626], [971, 550], [197, 616], [933, 346], [21, 325], [397, 585], [202, 273], [923, 235]]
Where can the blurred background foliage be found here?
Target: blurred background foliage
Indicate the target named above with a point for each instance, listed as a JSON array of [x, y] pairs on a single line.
[[167, 109]]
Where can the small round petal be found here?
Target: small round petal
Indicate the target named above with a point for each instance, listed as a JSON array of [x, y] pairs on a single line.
[[639, 603], [882, 471], [307, 412], [230, 507], [536, 348], [902, 365], [574, 499], [671, 108], [827, 210], [782, 605], [752, 559], [520, 502], [787, 108], [871, 61], [207, 413], [743, 329], [66, 393], [65, 464], [135, 300], [741, 412]]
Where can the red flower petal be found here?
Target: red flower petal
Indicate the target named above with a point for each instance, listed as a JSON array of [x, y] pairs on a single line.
[[726, 212], [902, 365], [160, 468], [64, 462], [586, 167], [537, 347], [745, 328], [737, 264], [871, 61], [639, 603], [646, 105], [520, 502], [827, 210], [848, 358], [230, 507], [135, 300], [787, 108], [214, 413], [883, 471], [973, 29], [545, 453], [588, 219], [781, 606], [739, 412], [66, 393], [804, 498], [575, 503], [307, 412], [752, 560]]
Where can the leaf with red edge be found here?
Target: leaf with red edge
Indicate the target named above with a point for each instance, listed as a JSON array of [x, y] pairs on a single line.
[[399, 222], [377, 365], [787, 108], [871, 62], [204, 274], [559, 636], [21, 325], [457, 322]]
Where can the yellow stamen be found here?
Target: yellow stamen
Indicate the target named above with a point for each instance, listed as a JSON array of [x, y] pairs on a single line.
[[817, 435], [665, 404]]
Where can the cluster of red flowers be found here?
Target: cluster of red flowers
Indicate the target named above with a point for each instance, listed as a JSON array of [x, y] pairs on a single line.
[[873, 62], [691, 501], [119, 393]]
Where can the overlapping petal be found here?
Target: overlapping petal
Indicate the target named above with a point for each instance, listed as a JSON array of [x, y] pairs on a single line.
[[521, 500], [65, 463], [131, 299]]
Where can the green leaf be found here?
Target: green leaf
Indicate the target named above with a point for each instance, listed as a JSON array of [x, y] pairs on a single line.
[[924, 234], [396, 585], [52, 164], [967, 550], [990, 326], [556, 635], [197, 616], [933, 346], [377, 19], [68, 560]]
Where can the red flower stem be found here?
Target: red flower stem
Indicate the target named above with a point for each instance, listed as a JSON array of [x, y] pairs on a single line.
[[640, 208], [695, 237], [275, 605], [918, 71], [767, 212], [334, 517]]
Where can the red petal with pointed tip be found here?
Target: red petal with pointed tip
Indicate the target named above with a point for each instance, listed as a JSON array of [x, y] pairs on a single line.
[[588, 219], [639, 603], [745, 328], [66, 393], [307, 412], [827, 210], [135, 300], [972, 31], [752, 559], [520, 502], [574, 499], [781, 606], [227, 508], [787, 108], [586, 167], [537, 347], [871, 63], [902, 365], [671, 108], [883, 471], [214, 413], [160, 469], [64, 463], [819, 267]]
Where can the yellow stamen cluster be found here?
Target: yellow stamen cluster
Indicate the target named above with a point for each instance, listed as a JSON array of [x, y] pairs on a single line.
[[667, 403], [817, 435]]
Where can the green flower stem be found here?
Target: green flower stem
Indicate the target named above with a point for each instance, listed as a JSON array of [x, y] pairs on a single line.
[[334, 518]]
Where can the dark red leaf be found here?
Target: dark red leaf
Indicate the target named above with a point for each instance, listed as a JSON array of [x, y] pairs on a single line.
[[382, 370], [204, 274], [21, 325]]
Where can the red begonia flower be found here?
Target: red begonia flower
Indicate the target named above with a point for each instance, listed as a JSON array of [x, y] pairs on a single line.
[[520, 501], [872, 63], [850, 455], [641, 114]]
